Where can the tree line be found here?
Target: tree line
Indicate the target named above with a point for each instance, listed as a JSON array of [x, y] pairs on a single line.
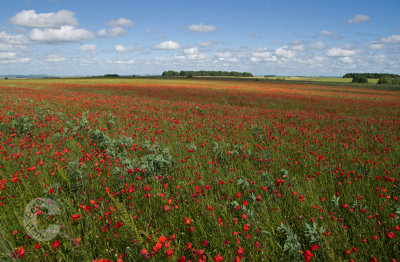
[[369, 75], [391, 79], [206, 73]]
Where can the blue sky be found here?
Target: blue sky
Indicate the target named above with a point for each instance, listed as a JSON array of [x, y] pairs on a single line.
[[281, 37]]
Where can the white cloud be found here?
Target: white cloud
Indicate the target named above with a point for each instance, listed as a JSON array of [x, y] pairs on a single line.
[[297, 47], [339, 52], [329, 34], [318, 45], [122, 49], [225, 54], [102, 33], [262, 55], [205, 43], [346, 60], [13, 39], [30, 18], [284, 52], [200, 28], [6, 47], [191, 51], [88, 48], [121, 22], [7, 55], [122, 61], [55, 58], [375, 46], [21, 60], [380, 58], [319, 58], [394, 39], [116, 31], [167, 45], [359, 19], [64, 34]]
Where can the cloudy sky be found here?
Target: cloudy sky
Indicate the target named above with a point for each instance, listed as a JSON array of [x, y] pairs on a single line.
[[281, 37]]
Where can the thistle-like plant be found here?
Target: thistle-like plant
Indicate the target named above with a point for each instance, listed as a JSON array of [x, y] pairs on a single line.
[[292, 242]]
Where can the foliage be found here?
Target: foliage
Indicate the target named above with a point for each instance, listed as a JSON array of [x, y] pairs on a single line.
[[369, 75], [200, 169], [206, 73], [360, 79], [393, 80]]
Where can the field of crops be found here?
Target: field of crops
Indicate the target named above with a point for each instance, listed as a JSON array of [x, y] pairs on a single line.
[[321, 79], [197, 170]]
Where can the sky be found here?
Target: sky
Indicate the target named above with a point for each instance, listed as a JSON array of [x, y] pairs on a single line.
[[264, 37]]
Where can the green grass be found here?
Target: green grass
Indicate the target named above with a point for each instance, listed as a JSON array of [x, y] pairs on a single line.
[[131, 162]]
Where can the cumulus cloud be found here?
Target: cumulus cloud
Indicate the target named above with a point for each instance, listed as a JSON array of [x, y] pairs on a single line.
[[30, 18], [375, 46], [122, 61], [346, 60], [167, 45], [340, 52], [20, 60], [225, 54], [64, 34], [102, 33], [55, 58], [394, 39], [284, 52], [318, 45], [205, 43], [193, 53], [262, 55], [12, 42], [7, 55], [121, 22], [319, 58], [297, 47], [329, 34], [201, 28], [359, 19], [88, 48], [122, 49], [116, 31]]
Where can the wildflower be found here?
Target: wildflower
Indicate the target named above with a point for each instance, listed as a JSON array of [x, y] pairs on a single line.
[[55, 244], [307, 255], [20, 252]]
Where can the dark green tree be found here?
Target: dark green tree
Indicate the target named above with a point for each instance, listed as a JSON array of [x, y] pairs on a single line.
[[360, 79]]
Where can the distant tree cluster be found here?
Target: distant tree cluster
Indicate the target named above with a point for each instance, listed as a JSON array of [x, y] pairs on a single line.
[[170, 73], [111, 75], [389, 80], [360, 79], [206, 73], [369, 75]]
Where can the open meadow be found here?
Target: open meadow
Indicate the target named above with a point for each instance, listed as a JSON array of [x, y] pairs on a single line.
[[197, 170]]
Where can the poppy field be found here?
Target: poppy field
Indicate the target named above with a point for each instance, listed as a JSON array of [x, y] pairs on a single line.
[[198, 170]]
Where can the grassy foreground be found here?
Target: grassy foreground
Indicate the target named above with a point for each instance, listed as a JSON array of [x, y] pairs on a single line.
[[197, 170]]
